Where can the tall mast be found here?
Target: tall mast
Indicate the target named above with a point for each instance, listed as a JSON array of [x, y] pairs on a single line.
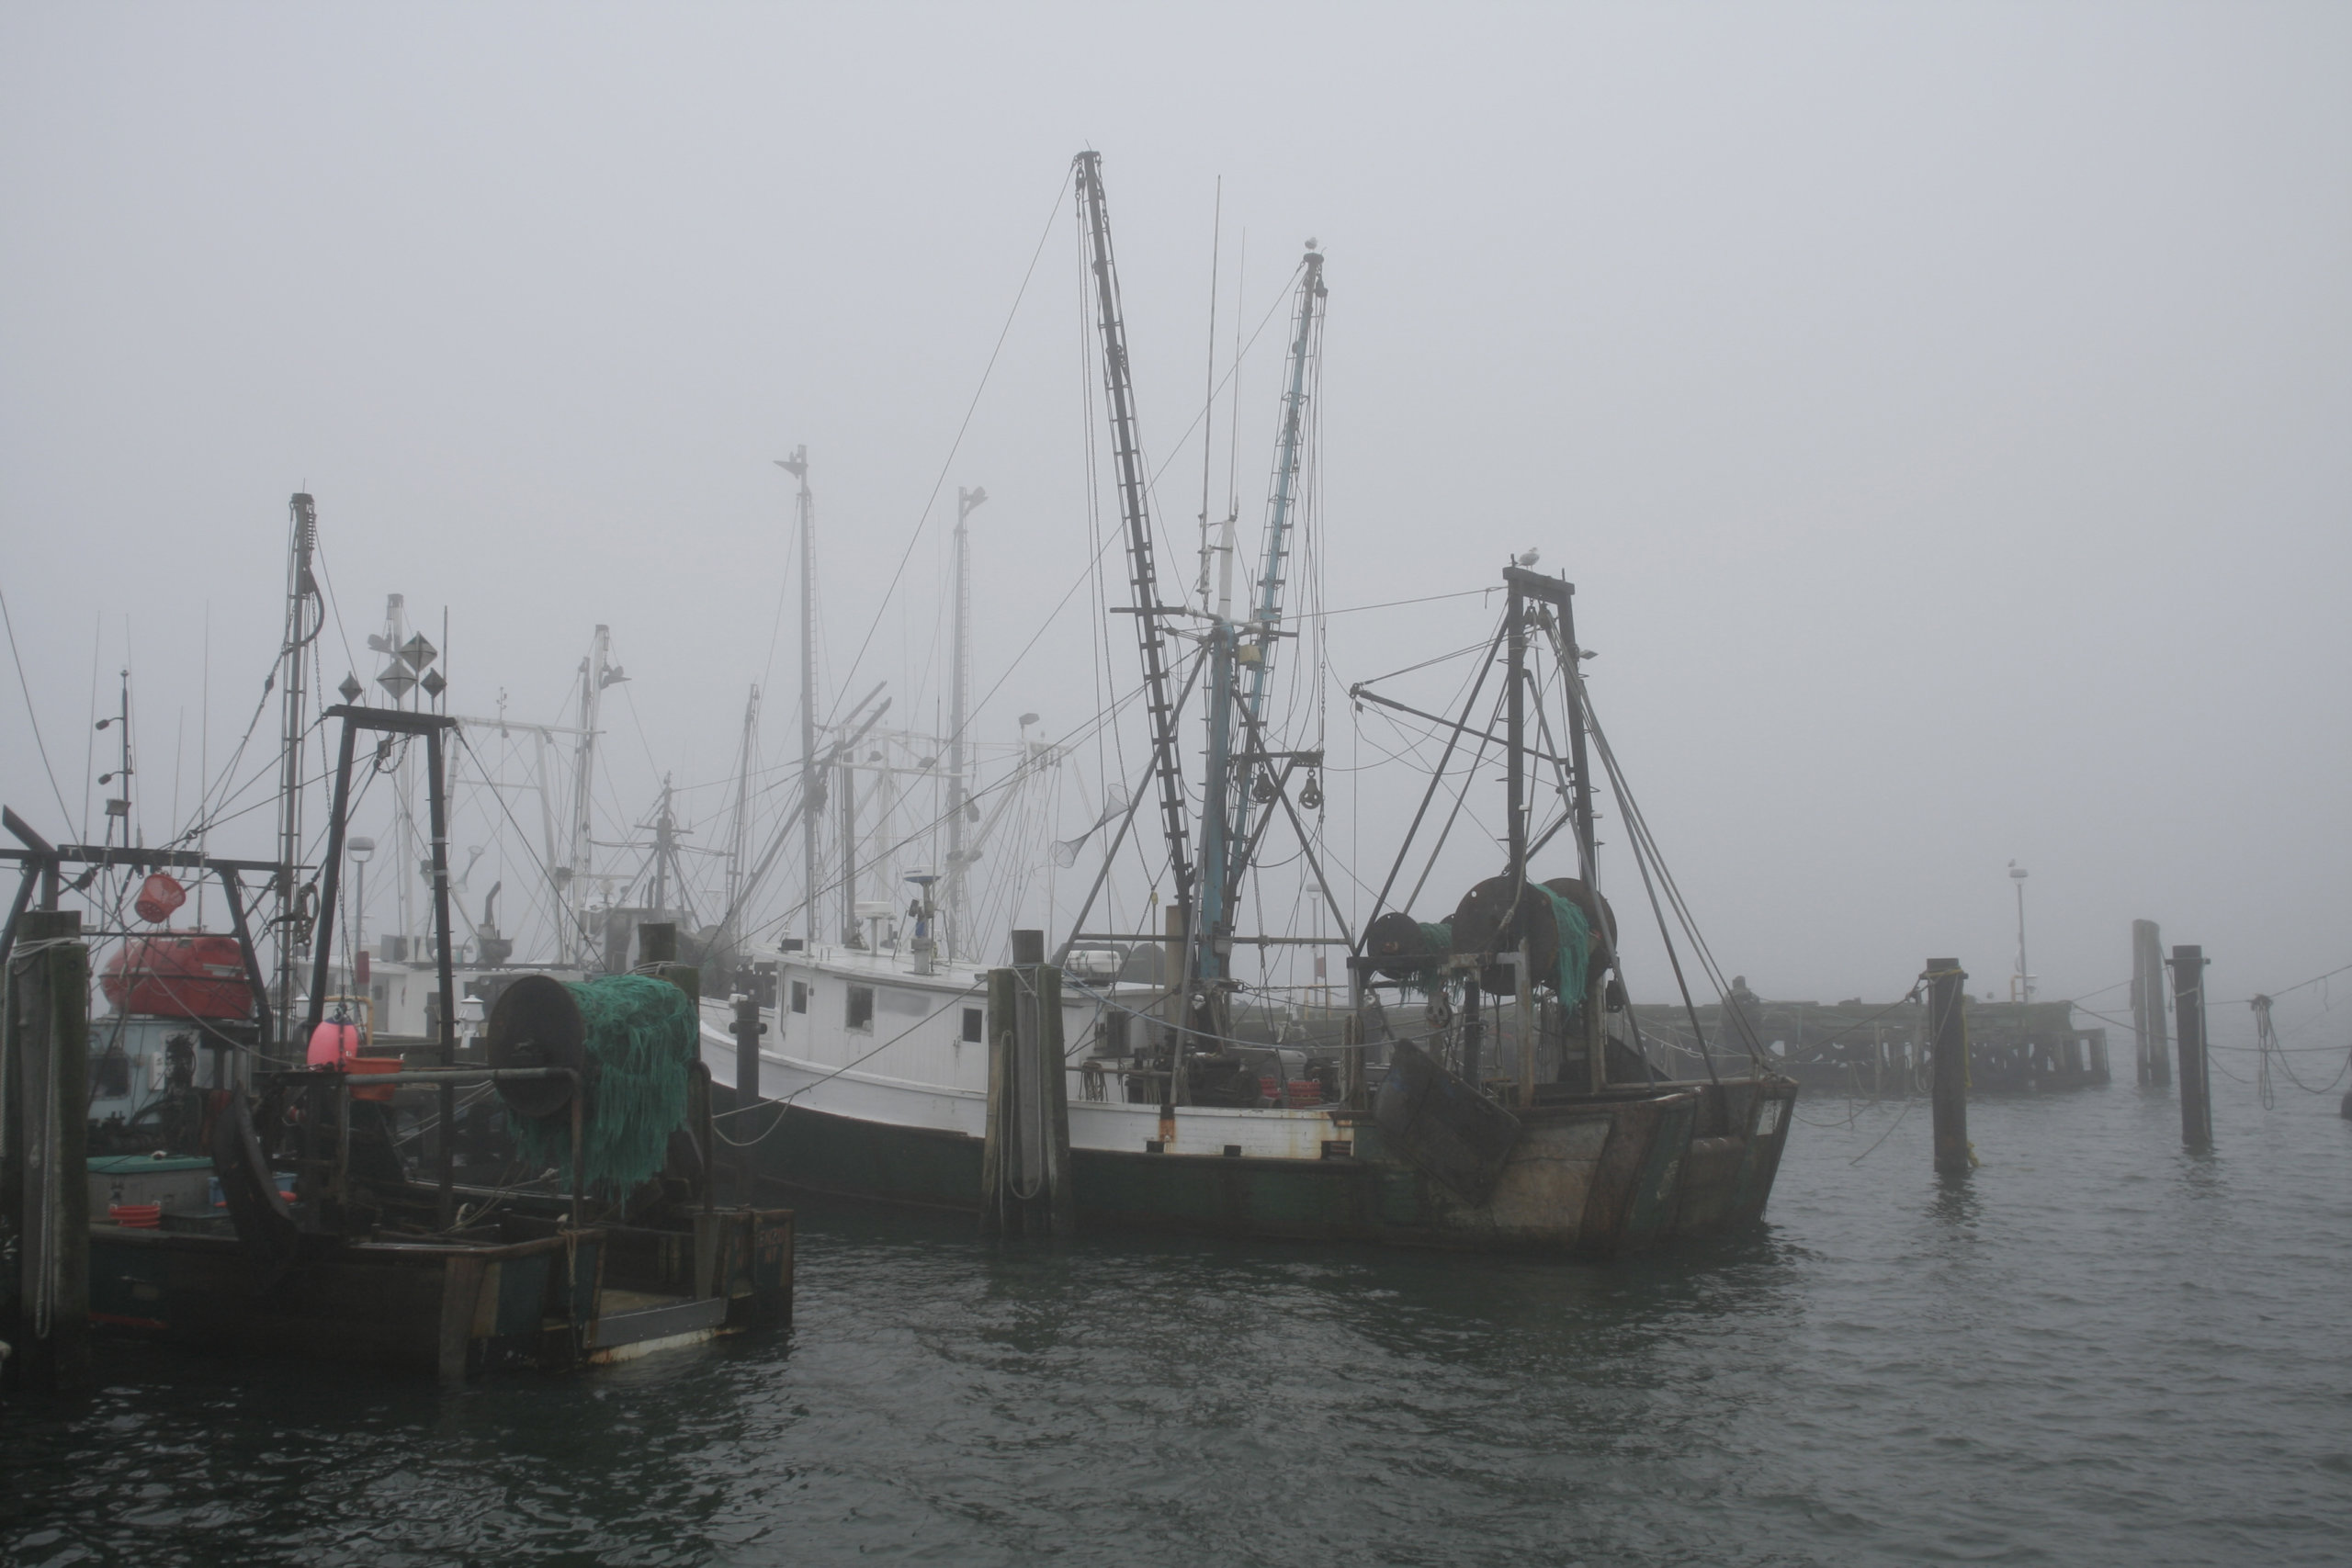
[[738, 843], [1150, 635], [812, 777], [301, 628], [118, 806], [398, 680], [1515, 737], [1282, 509], [951, 907], [596, 672], [1588, 846], [849, 853], [665, 850]]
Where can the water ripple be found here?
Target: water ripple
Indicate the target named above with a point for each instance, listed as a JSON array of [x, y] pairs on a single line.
[[2098, 1350]]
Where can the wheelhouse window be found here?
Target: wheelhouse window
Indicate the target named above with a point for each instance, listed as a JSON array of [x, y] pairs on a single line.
[[860, 1013], [110, 1075], [974, 1019], [800, 996]]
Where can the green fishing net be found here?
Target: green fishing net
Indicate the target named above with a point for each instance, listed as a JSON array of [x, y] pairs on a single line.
[[640, 1038], [1576, 947], [1437, 941]]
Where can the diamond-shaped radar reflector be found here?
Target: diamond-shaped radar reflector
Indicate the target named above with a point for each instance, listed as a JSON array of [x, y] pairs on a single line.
[[432, 683], [351, 688], [418, 652], [396, 680]]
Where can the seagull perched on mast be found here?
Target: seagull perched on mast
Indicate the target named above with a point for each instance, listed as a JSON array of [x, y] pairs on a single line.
[[1527, 560]]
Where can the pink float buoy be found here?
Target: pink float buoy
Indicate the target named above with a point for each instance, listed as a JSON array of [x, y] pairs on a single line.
[[333, 1043]]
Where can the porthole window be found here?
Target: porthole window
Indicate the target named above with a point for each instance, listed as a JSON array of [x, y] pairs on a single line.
[[860, 1014], [974, 1020], [800, 996]]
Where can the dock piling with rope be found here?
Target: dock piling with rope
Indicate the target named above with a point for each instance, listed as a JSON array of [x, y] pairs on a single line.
[[2189, 1025], [1024, 1163], [1948, 1036], [2148, 1005]]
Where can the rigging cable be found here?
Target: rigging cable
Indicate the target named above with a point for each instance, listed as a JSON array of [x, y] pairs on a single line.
[[1053, 214], [25, 687]]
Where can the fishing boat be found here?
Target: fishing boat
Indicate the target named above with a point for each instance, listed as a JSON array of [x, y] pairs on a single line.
[[273, 1177], [1484, 1084]]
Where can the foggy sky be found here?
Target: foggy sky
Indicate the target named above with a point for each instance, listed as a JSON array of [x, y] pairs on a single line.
[[1943, 410]]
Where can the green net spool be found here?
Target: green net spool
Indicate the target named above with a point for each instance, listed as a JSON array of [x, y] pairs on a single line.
[[639, 1036], [1494, 916]]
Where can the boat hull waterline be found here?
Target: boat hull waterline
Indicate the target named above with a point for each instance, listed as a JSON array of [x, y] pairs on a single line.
[[1587, 1176]]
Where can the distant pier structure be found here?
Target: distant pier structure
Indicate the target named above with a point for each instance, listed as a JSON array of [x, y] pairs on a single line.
[[1861, 1047]]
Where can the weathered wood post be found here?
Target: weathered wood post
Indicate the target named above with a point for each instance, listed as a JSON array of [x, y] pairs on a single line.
[[748, 1029], [1948, 1037], [1024, 1160], [2189, 1023], [2148, 1004], [45, 1165]]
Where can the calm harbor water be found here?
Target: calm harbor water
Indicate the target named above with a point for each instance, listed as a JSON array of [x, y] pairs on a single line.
[[2100, 1350]]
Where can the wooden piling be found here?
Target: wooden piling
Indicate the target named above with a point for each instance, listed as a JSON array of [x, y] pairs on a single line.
[[1024, 1160], [747, 1030], [43, 1167], [2148, 1004], [2189, 1025], [1947, 1036]]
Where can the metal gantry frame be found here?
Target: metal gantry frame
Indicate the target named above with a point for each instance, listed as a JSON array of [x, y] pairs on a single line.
[[43, 877], [435, 728]]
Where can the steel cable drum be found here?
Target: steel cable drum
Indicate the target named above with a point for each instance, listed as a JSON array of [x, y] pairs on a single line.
[[1402, 945], [1486, 921], [536, 1023]]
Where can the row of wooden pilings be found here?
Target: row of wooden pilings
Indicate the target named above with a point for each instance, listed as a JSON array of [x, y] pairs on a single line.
[[1948, 1037]]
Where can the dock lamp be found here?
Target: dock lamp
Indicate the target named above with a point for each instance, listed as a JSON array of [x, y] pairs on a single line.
[[2025, 976], [359, 850]]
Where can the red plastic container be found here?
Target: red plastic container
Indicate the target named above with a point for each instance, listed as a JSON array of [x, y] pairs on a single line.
[[1302, 1092], [179, 976], [359, 1064], [136, 1216]]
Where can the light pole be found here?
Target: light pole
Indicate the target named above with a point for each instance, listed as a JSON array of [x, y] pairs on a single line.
[[2025, 976], [359, 850]]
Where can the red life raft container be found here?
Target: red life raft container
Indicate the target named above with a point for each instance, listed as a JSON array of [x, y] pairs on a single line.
[[179, 976]]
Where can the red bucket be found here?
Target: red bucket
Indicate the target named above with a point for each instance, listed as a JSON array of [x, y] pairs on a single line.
[[359, 1066], [136, 1216]]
